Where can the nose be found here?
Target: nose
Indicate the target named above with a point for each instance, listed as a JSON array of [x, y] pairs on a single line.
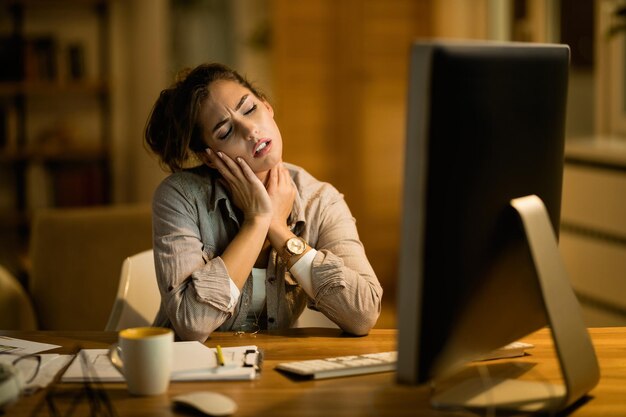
[[249, 130]]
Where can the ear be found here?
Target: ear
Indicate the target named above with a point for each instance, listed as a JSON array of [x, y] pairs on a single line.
[[202, 155]]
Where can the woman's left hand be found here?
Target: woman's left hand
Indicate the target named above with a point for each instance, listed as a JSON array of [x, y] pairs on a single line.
[[282, 193]]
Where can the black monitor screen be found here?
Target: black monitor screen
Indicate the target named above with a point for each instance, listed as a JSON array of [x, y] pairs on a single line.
[[485, 125]]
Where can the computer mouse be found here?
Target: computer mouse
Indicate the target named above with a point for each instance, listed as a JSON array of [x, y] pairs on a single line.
[[207, 402]]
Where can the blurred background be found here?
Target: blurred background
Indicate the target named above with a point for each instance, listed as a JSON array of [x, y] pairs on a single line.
[[78, 79]]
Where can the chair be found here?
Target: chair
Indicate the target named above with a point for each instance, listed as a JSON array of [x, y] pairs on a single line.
[[16, 309], [138, 296], [75, 256]]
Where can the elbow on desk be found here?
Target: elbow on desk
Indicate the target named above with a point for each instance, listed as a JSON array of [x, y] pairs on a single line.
[[190, 334], [360, 323], [358, 329], [191, 330], [364, 318], [192, 319]]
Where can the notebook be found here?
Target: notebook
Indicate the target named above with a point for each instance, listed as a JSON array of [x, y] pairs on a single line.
[[193, 361]]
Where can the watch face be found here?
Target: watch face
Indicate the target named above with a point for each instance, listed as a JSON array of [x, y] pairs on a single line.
[[296, 246]]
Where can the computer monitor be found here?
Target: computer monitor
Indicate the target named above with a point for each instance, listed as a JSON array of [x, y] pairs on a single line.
[[479, 264]]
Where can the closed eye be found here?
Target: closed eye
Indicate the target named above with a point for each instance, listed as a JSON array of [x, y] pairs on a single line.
[[252, 109], [226, 134]]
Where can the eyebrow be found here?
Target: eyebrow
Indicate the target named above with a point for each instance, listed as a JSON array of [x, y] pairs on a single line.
[[237, 107]]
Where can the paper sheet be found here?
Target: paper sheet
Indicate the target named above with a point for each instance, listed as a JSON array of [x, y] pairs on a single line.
[[193, 361], [51, 364], [16, 352], [22, 347]]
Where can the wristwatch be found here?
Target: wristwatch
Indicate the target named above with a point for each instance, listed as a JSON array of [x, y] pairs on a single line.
[[293, 247]]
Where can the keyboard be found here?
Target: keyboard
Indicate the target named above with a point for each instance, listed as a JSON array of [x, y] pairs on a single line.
[[376, 362], [342, 365]]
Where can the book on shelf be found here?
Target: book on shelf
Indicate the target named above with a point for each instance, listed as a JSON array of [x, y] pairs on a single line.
[[40, 58], [11, 58], [8, 129], [29, 58]]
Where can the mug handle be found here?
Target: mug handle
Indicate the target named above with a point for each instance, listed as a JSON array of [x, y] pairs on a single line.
[[116, 358]]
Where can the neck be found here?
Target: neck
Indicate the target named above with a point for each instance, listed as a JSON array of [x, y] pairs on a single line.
[[262, 176]]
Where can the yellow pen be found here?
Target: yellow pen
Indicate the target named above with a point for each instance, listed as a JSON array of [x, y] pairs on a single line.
[[220, 356]]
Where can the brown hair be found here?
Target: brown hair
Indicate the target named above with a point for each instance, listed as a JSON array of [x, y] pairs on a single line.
[[172, 130]]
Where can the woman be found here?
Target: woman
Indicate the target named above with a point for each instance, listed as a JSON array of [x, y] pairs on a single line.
[[243, 241]]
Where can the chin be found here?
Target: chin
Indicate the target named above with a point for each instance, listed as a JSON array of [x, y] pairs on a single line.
[[265, 163], [262, 169], [271, 162]]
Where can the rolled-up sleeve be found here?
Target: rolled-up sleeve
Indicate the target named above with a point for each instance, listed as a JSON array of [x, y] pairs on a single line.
[[345, 286]]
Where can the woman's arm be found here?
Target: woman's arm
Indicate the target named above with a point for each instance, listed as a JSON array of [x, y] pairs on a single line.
[[197, 306], [282, 192], [250, 195], [194, 283], [343, 282]]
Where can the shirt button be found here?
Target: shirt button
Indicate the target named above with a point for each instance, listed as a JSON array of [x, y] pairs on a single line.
[[271, 280]]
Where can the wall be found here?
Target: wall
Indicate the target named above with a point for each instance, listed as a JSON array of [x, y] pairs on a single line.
[[352, 37], [340, 78], [139, 59], [152, 40]]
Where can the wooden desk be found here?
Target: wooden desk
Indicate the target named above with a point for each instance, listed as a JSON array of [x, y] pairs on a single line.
[[275, 394]]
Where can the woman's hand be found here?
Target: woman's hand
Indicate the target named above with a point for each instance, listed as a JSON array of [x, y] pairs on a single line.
[[249, 194], [247, 190], [282, 194]]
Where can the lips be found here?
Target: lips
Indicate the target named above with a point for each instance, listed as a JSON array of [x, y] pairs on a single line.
[[262, 147]]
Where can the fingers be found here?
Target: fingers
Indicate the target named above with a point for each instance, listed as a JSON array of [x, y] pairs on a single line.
[[284, 179], [272, 179], [226, 166], [278, 175], [243, 182], [282, 192], [216, 161], [247, 171]]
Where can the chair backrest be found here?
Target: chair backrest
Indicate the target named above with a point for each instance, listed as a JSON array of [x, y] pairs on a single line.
[[138, 296], [16, 309], [75, 255]]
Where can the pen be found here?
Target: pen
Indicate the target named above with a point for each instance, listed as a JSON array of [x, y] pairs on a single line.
[[220, 356]]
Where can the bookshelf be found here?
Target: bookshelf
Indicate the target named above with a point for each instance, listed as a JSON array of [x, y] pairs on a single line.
[[54, 113]]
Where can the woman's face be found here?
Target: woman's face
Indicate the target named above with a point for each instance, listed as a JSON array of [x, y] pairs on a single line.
[[239, 124]]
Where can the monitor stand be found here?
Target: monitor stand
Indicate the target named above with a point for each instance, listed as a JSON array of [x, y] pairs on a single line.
[[575, 352]]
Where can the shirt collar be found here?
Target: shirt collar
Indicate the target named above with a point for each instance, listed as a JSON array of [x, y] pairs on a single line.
[[296, 219]]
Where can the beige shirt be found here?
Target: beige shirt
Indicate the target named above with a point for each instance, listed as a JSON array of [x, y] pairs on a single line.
[[194, 221]]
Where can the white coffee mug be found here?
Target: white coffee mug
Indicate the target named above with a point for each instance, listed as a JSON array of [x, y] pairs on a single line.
[[144, 356]]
